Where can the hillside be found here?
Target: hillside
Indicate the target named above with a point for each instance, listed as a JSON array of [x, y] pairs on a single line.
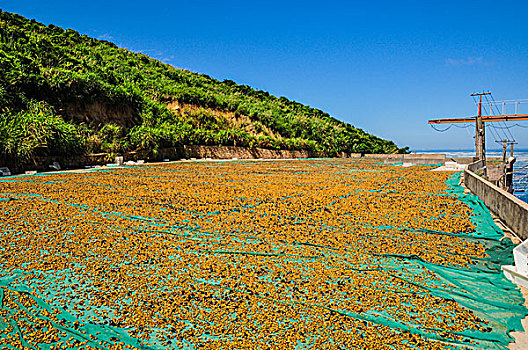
[[65, 93]]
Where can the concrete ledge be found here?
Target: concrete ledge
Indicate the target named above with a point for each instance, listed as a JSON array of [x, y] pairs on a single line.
[[475, 166], [439, 157], [510, 209], [430, 159], [384, 156], [461, 160], [410, 158]]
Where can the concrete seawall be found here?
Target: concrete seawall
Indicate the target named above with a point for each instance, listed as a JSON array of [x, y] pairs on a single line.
[[173, 153], [228, 152], [41, 163], [430, 159], [510, 209]]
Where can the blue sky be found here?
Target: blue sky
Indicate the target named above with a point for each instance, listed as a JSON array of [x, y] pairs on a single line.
[[384, 66]]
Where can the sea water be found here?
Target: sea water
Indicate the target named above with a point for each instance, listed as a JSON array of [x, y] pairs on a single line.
[[520, 167]]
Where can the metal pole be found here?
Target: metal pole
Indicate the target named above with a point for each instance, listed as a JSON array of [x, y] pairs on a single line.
[[480, 132], [504, 148], [477, 132], [479, 139]]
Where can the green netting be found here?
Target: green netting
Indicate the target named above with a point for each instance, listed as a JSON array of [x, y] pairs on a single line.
[[481, 287], [68, 326]]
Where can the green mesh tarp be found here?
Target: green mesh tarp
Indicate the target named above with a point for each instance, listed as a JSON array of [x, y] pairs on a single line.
[[479, 287]]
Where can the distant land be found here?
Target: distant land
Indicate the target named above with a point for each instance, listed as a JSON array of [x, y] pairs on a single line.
[[62, 93]]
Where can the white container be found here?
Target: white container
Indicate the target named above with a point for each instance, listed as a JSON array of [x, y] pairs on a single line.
[[55, 166], [518, 273], [520, 256], [5, 172]]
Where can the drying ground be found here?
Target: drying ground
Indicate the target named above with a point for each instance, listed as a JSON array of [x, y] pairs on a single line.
[[236, 255]]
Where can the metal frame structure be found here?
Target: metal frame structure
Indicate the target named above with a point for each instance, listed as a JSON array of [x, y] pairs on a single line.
[[479, 119]]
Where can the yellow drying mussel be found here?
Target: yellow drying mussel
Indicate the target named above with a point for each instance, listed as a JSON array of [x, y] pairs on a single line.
[[232, 255]]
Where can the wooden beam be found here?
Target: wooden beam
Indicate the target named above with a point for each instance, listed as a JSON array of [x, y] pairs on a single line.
[[505, 118], [493, 118], [453, 120]]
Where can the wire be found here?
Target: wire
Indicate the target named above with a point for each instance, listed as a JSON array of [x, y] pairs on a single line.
[[495, 136], [501, 138], [483, 105], [507, 129], [463, 127], [444, 130], [515, 171], [498, 133], [469, 132], [511, 126]]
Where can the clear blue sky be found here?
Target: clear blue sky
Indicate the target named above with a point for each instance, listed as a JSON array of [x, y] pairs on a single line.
[[384, 66]]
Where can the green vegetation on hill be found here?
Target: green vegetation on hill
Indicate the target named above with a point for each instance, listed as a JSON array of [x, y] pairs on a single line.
[[66, 93]]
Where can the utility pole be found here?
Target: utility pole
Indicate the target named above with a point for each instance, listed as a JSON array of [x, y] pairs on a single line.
[[511, 149], [480, 140], [480, 131], [480, 120]]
